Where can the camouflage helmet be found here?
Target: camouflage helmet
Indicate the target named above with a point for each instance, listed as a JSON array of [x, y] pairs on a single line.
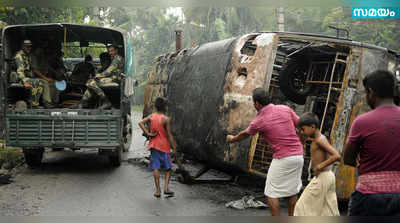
[[27, 42]]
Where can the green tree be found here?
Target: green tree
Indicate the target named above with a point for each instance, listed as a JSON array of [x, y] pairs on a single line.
[[153, 31], [378, 32]]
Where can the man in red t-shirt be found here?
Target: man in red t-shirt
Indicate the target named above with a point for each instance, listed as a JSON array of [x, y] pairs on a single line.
[[375, 138], [277, 123]]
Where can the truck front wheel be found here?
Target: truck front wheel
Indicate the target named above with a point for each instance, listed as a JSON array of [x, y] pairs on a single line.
[[33, 156]]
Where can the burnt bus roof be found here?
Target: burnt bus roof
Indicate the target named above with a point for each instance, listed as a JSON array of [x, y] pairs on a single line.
[[320, 37], [74, 32]]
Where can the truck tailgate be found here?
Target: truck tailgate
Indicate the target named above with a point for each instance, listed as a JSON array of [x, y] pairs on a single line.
[[63, 128]]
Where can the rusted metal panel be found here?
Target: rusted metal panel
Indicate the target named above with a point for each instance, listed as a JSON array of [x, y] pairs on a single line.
[[346, 101], [252, 150], [238, 89], [344, 184], [346, 176], [346, 179]]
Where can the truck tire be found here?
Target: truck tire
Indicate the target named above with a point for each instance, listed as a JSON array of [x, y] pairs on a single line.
[[116, 158], [127, 134], [292, 81], [33, 156]]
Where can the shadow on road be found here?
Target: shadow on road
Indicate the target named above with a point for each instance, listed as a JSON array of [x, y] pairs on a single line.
[[68, 161]]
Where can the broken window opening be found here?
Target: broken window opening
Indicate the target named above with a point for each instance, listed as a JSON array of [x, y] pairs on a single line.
[[242, 72], [249, 47]]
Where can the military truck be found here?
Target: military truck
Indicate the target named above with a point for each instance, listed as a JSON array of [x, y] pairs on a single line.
[[34, 129]]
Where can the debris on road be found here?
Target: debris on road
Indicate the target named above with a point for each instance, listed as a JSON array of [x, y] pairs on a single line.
[[142, 160], [246, 202], [184, 175], [5, 179]]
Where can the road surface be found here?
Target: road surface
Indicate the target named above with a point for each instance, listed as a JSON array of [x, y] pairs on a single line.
[[82, 183]]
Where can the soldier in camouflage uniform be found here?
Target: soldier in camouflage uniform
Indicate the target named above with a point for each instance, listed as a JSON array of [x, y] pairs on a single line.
[[25, 74], [105, 61], [40, 65], [109, 75]]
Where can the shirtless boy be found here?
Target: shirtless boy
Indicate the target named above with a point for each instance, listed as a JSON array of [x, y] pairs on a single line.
[[319, 197]]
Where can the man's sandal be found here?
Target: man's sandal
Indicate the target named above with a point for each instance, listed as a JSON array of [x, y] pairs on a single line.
[[169, 193], [157, 195]]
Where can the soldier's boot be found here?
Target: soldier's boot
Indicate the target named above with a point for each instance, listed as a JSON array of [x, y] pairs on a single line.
[[48, 105], [106, 104], [82, 104], [33, 102]]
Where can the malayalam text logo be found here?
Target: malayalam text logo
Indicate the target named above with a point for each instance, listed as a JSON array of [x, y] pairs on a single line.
[[375, 13]]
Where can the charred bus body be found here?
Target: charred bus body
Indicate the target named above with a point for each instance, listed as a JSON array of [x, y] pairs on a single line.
[[62, 127], [209, 89]]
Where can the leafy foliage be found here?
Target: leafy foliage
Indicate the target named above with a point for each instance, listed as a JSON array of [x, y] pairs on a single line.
[[153, 29]]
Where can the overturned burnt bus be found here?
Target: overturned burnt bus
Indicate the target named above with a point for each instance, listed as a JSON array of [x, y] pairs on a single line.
[[209, 89]]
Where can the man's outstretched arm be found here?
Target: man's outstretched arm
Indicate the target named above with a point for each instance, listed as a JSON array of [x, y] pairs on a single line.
[[239, 137]]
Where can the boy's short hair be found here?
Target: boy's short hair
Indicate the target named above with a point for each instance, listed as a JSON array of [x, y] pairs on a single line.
[[308, 119], [161, 104], [382, 82]]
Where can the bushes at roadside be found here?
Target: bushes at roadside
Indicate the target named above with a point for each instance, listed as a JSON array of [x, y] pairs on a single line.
[[10, 158]]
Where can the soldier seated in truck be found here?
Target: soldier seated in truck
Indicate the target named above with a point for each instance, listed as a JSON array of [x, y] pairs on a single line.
[[109, 75], [39, 87], [44, 57], [85, 67], [105, 61], [56, 65]]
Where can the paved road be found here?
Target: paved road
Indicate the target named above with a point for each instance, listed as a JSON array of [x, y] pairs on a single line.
[[82, 184]]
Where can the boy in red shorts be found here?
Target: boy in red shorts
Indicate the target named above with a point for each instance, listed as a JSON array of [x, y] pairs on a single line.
[[161, 140]]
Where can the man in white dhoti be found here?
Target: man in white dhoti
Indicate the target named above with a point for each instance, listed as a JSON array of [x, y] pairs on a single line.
[[277, 125]]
